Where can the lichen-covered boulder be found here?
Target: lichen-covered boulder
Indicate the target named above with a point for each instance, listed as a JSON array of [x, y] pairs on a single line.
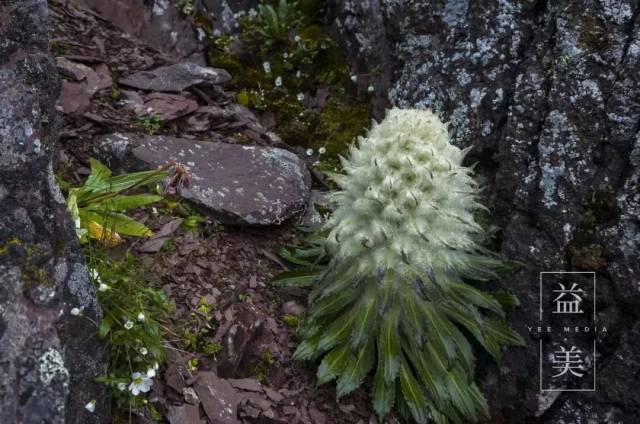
[[48, 358], [239, 185], [176, 78], [548, 94]]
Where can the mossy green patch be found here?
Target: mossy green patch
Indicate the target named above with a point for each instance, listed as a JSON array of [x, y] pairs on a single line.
[[285, 65]]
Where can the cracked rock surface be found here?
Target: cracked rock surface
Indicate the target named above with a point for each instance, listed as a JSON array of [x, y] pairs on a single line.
[[240, 185], [48, 359], [548, 94]]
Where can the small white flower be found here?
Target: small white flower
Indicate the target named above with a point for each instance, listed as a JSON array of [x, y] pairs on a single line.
[[298, 74], [267, 67], [95, 275], [128, 325], [285, 55], [143, 351], [316, 163], [151, 373], [354, 78], [309, 152], [322, 150], [278, 81], [140, 383], [141, 317], [154, 211], [323, 46], [76, 311], [300, 97], [122, 386], [91, 406], [297, 38], [103, 287], [370, 89]]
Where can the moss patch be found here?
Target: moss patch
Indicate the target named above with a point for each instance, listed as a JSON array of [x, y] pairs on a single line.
[[285, 67]]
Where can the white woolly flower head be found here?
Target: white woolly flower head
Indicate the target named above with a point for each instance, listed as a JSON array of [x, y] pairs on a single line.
[[405, 200]]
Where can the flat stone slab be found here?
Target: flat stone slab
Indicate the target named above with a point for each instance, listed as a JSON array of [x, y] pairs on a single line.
[[240, 185], [176, 78]]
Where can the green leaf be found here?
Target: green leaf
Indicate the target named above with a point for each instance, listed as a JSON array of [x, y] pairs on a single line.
[[334, 363], [117, 222], [334, 304], [413, 321], [357, 370], [413, 395], [458, 387], [430, 375], [302, 277], [498, 330], [384, 394], [507, 300], [99, 174], [477, 297], [336, 332], [440, 330], [297, 256], [114, 185], [388, 347], [306, 350], [122, 203], [105, 327], [366, 318]]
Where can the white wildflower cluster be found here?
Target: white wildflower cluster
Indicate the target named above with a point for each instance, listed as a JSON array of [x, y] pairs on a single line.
[[321, 151], [406, 197], [95, 276], [141, 382]]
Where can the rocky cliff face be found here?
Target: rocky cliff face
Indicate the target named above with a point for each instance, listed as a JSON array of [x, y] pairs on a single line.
[[48, 358], [548, 94]]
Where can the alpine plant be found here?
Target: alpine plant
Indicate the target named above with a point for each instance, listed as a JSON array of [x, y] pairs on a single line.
[[396, 298]]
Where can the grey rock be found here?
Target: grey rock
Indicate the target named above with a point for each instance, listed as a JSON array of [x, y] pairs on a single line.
[[49, 359], [549, 96], [240, 340], [293, 308], [184, 414], [219, 399], [158, 23], [176, 78], [241, 185]]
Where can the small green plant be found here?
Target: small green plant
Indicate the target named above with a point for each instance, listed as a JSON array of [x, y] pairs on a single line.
[[275, 23], [185, 7], [133, 314], [212, 349], [151, 124], [291, 320], [192, 364], [400, 292], [201, 325], [97, 207]]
